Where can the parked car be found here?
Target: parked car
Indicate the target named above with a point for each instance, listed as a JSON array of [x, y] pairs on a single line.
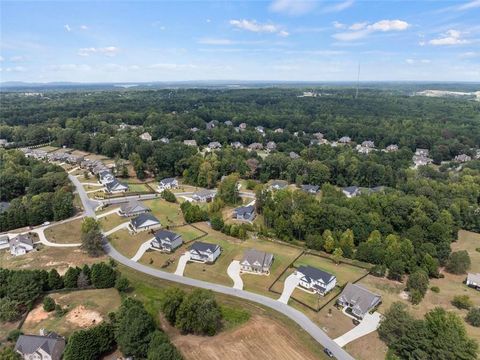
[[328, 352]]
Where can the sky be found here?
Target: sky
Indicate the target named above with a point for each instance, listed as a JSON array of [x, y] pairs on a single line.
[[284, 40]]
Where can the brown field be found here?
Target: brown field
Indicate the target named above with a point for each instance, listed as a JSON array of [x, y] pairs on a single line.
[[112, 220], [85, 308], [48, 258], [248, 342], [66, 233], [368, 347], [128, 244]]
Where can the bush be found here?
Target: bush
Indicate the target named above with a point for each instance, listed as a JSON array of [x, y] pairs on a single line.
[[122, 284], [48, 304], [417, 284], [462, 302], [169, 196], [477, 249], [458, 263], [216, 222], [90, 344], [473, 317], [435, 289], [103, 276], [13, 336], [378, 270], [170, 302]]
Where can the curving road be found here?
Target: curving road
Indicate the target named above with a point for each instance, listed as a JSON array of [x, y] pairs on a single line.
[[301, 319]]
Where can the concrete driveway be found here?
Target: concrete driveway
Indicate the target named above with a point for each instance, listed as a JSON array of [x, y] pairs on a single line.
[[110, 212], [369, 324], [117, 228], [141, 250], [289, 285], [182, 262], [233, 271]]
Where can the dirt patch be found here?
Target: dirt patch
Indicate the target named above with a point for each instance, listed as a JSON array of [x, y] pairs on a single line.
[[404, 295], [37, 315], [82, 317], [247, 342]]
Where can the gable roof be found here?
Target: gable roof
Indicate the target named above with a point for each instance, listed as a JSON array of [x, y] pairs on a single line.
[[165, 234], [310, 188], [133, 206], [51, 344], [115, 184], [314, 274], [143, 218], [257, 258], [21, 239], [167, 180], [471, 277], [279, 183], [351, 189], [204, 193], [202, 247], [361, 298], [242, 210]]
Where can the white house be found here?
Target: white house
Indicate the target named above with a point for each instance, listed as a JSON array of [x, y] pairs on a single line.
[[165, 140], [278, 185], [167, 183], [115, 187], [345, 140], [315, 280], [421, 160], [20, 245], [144, 222], [166, 241], [204, 252], [310, 189], [36, 347], [105, 177], [4, 242], [214, 145], [190, 142], [391, 148], [146, 136], [204, 196], [473, 280]]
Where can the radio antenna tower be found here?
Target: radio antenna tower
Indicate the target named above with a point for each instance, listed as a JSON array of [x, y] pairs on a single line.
[[358, 81]]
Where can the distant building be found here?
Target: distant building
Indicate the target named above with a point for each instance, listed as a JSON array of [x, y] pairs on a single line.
[[204, 196], [255, 146], [144, 222], [462, 158], [146, 136], [3, 142], [421, 160], [257, 262], [194, 129], [345, 140], [318, 135], [271, 146], [278, 185], [391, 148], [4, 205], [4, 242], [204, 252], [244, 213], [214, 145], [36, 347], [316, 280], [190, 142], [167, 183], [311, 189], [260, 129], [351, 191], [422, 152], [115, 187], [132, 208], [293, 155], [279, 131], [236, 145], [20, 245], [167, 241], [228, 123], [242, 126], [165, 140], [211, 124], [357, 300], [105, 177]]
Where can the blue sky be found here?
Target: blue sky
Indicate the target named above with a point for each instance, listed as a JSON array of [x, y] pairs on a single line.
[[133, 41]]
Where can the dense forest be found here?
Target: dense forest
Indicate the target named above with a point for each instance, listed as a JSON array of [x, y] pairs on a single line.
[[36, 191]]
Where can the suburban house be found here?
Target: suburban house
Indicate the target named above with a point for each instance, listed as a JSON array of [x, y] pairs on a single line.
[[146, 136], [351, 191], [167, 183], [358, 300], [293, 155], [132, 208], [260, 129], [166, 241], [315, 280], [115, 187], [318, 135], [236, 145], [244, 213], [242, 126], [345, 140], [255, 146], [204, 252], [204, 196], [214, 145], [194, 129], [278, 131], [271, 146], [4, 242], [473, 280], [165, 140], [190, 142], [144, 222], [372, 190], [421, 160], [311, 189], [462, 158], [228, 123], [37, 347], [210, 125], [366, 147], [278, 185], [391, 148], [257, 262], [422, 152], [105, 177], [20, 245]]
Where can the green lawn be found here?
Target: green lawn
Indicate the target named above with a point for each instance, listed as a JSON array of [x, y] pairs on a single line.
[[66, 233], [168, 213], [110, 221], [127, 243], [141, 188]]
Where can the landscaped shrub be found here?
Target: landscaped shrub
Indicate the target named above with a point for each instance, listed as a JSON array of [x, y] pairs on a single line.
[[48, 304], [462, 302], [122, 284], [169, 196], [435, 289], [473, 317]]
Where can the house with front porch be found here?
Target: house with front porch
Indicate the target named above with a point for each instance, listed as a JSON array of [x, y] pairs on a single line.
[[244, 213], [204, 252], [166, 241], [315, 280], [144, 222], [256, 262]]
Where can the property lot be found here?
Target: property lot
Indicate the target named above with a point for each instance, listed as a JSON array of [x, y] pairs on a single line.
[[110, 221], [127, 243], [85, 308], [66, 233], [168, 213], [134, 187], [48, 148]]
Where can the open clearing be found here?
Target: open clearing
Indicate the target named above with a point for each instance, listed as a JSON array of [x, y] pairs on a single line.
[[247, 342], [86, 308], [66, 233]]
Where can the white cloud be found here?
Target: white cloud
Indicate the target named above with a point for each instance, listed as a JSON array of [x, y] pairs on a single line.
[[213, 41], [17, 58], [470, 5], [67, 27], [14, 69], [83, 27], [451, 37], [252, 25], [172, 66], [361, 30], [107, 51], [292, 7], [69, 67], [469, 54], [338, 25], [339, 6], [415, 61], [1, 58]]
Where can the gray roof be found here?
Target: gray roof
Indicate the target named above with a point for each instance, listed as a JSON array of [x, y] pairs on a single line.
[[204, 193], [133, 206], [363, 299], [114, 184], [167, 180], [203, 247], [474, 278], [258, 258], [143, 218], [279, 183], [310, 188], [242, 210], [351, 189], [165, 234], [51, 344], [21, 239], [315, 274], [4, 205]]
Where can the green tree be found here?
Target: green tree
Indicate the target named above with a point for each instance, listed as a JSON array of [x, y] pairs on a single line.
[[90, 343], [122, 284], [48, 304], [9, 309], [92, 243], [169, 196], [459, 262], [417, 284], [55, 281], [216, 222], [473, 317], [396, 270], [62, 205], [71, 277], [170, 302], [103, 276], [328, 241], [462, 302], [337, 255], [160, 348], [228, 190], [347, 243], [8, 353]]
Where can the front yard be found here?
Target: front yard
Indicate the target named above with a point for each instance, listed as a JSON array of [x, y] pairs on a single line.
[[66, 233]]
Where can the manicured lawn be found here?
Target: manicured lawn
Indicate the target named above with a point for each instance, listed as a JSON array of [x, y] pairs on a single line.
[[141, 188], [127, 243], [95, 303], [168, 213], [110, 221], [66, 233]]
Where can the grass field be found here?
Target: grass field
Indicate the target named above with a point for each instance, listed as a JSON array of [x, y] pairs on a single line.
[[66, 233], [168, 213], [138, 188], [128, 244], [86, 308], [110, 221]]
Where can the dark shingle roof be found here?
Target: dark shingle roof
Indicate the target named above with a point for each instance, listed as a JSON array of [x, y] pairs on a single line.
[[51, 344], [203, 247], [133, 206], [315, 274], [242, 210], [165, 234], [143, 218]]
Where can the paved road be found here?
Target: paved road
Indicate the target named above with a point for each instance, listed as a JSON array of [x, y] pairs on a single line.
[[301, 319], [89, 205]]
